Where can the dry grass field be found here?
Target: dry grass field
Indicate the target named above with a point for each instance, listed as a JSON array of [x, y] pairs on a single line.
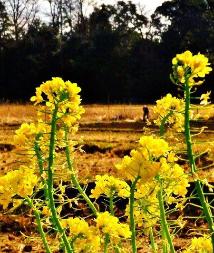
[[107, 133], [18, 113]]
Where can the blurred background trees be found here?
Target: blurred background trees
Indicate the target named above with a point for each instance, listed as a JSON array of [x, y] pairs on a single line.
[[116, 52]]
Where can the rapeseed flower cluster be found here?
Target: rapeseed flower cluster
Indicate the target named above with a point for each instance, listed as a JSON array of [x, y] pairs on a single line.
[[155, 163], [51, 95], [174, 184], [146, 208], [19, 182], [30, 135], [109, 224], [200, 245], [187, 66], [25, 136], [110, 186], [87, 238], [175, 181], [84, 238], [169, 111], [145, 160], [63, 96]]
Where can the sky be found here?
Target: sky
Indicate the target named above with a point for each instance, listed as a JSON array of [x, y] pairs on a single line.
[[150, 5]]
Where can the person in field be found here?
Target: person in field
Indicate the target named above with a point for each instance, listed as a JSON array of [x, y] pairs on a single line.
[[145, 113]]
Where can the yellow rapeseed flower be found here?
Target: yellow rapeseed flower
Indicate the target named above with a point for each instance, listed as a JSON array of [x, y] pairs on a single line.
[[144, 161], [87, 237], [146, 207], [110, 186], [174, 184], [175, 180], [170, 110], [153, 148], [61, 94], [200, 245], [19, 182], [109, 224], [153, 161], [187, 67]]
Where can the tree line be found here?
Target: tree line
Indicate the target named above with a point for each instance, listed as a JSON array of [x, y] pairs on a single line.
[[115, 53]]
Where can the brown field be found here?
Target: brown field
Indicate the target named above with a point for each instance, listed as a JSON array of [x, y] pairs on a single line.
[[18, 113], [107, 133]]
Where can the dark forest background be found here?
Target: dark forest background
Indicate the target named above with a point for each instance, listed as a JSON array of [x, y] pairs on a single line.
[[116, 53]]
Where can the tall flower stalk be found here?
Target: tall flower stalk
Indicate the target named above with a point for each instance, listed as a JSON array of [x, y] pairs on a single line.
[[39, 225], [152, 240], [132, 220], [74, 180], [205, 205], [187, 68], [51, 201], [61, 107], [164, 224]]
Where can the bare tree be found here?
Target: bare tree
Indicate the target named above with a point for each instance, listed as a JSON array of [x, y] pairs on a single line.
[[67, 14], [4, 23], [69, 17], [82, 10], [54, 11], [21, 14], [62, 14]]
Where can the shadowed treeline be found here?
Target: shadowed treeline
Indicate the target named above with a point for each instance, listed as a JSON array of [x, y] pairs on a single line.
[[115, 54]]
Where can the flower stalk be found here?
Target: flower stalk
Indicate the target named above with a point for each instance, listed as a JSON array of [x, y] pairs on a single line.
[[38, 153], [55, 218], [132, 220], [111, 203], [152, 240], [163, 123], [74, 179], [164, 224], [39, 225], [40, 162], [206, 208], [106, 243]]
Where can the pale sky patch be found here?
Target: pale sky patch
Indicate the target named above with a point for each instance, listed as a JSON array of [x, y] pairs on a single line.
[[149, 5]]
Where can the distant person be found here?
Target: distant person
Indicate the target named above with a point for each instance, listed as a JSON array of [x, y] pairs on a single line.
[[145, 113]]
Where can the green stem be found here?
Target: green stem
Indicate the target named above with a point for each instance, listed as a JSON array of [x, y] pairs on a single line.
[[38, 153], [164, 242], [106, 243], [39, 225], [116, 249], [163, 122], [164, 224], [132, 221], [206, 208], [152, 240], [40, 162], [74, 180], [55, 218], [111, 203], [111, 208]]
